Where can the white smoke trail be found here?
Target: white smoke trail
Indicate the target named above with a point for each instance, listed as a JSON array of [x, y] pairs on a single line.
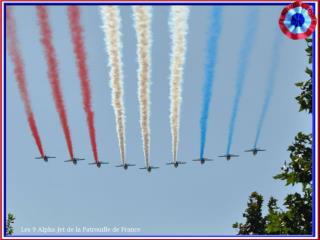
[[142, 19], [178, 24], [112, 30]]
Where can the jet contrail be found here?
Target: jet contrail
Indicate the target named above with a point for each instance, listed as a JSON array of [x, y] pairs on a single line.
[[178, 24], [215, 30], [142, 19], [81, 57], [53, 74], [245, 51], [271, 77], [19, 72], [112, 30]]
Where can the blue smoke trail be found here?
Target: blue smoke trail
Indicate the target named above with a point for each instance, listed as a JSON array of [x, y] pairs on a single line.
[[245, 51], [270, 85], [215, 29]]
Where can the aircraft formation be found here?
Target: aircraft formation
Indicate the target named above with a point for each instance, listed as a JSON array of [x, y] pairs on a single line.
[[149, 167]]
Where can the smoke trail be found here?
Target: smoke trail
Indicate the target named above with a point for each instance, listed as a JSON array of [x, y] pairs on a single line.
[[46, 40], [270, 85], [178, 24], [215, 29], [112, 30], [79, 51], [142, 16], [19, 72], [245, 51]]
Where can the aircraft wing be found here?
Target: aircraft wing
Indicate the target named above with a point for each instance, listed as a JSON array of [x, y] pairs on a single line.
[[92, 163], [181, 162], [80, 159], [196, 160], [208, 159], [251, 150], [143, 168], [169, 163], [223, 156], [50, 157], [120, 165], [261, 150], [104, 162], [131, 165], [68, 160], [232, 155], [154, 167], [38, 158]]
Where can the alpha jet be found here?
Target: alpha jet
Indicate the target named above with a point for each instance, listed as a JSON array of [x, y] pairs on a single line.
[[255, 150], [75, 160], [175, 163], [125, 166], [202, 160], [228, 156], [98, 163], [44, 157]]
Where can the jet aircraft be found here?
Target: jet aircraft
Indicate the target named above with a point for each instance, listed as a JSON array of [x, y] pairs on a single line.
[[125, 165], [228, 156], [45, 158], [98, 163], [202, 160], [74, 160], [148, 167], [255, 150], [175, 163]]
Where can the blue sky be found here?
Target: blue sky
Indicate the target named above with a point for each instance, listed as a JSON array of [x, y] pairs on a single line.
[[192, 199]]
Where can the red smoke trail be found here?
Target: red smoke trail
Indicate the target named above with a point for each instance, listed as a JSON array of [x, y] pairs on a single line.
[[21, 78], [46, 40], [79, 51]]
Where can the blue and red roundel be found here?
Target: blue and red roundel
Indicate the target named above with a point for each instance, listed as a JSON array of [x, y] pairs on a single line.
[[297, 20]]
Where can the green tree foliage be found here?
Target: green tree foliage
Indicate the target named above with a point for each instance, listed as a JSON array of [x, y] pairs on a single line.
[[296, 217], [255, 223], [299, 169], [305, 98], [274, 223], [10, 221]]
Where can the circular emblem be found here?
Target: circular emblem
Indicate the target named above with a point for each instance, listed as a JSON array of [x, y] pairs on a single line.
[[297, 20]]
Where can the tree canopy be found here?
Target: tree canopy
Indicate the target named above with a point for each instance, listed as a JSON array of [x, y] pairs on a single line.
[[10, 221]]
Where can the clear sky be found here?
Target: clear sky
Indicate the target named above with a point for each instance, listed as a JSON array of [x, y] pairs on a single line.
[[191, 199]]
